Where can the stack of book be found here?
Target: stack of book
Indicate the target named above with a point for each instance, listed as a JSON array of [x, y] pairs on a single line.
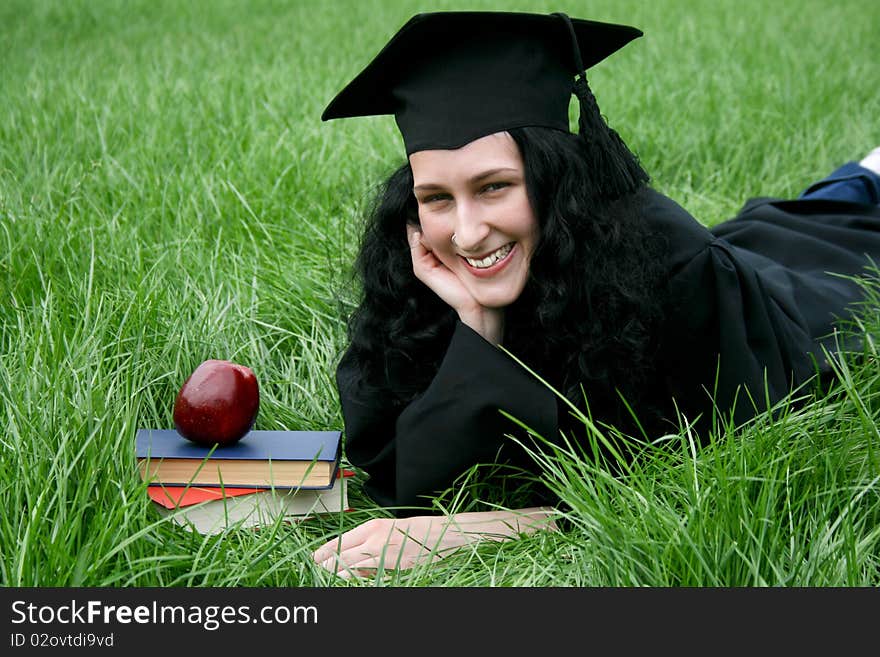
[[264, 476]]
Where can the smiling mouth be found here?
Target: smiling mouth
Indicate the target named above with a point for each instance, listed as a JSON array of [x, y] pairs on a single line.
[[492, 258]]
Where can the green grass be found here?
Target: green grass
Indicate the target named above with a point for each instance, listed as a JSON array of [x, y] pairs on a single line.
[[168, 194]]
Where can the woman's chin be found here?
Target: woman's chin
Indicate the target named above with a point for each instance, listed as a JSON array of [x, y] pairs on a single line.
[[497, 299]]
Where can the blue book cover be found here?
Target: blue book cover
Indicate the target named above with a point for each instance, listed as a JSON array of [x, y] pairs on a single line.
[[302, 449], [275, 445]]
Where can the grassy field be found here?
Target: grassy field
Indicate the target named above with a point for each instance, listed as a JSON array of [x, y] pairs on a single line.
[[169, 194]]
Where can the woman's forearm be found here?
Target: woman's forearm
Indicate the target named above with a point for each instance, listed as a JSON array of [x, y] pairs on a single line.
[[502, 525]]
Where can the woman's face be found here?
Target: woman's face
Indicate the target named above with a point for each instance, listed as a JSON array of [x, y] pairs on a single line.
[[478, 193]]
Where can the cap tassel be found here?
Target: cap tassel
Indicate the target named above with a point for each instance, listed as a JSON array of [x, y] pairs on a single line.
[[616, 170]]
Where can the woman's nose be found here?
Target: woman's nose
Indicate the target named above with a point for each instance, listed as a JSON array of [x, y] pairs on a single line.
[[471, 227]]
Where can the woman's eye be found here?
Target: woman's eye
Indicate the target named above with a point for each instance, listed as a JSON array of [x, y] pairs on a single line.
[[434, 198], [495, 186]]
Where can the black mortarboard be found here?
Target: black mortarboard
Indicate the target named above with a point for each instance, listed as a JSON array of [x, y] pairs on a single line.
[[452, 77]]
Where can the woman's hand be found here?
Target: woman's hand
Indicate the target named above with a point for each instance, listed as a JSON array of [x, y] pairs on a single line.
[[395, 544], [488, 322]]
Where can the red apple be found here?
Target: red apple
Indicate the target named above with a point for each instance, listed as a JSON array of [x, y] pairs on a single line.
[[218, 403]]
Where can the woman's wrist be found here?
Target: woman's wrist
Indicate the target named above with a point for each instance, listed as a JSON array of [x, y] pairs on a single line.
[[488, 322], [502, 525]]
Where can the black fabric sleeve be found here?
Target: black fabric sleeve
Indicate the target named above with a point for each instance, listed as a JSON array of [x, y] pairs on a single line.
[[734, 336], [413, 452], [751, 310]]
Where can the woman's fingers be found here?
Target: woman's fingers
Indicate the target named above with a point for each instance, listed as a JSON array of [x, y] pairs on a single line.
[[332, 549], [424, 261], [413, 236], [418, 250], [364, 568], [343, 561], [436, 275], [355, 542], [379, 542], [359, 559]]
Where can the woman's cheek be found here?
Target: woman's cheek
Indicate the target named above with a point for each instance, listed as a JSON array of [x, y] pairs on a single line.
[[434, 236]]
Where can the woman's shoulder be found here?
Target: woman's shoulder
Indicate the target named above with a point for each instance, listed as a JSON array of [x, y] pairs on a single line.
[[683, 235]]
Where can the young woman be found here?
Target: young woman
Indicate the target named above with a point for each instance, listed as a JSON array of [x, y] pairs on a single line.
[[503, 229]]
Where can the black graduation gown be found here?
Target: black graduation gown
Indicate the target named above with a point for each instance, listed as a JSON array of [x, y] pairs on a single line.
[[751, 298]]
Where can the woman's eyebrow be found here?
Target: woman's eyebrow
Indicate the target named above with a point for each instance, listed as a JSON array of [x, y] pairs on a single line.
[[477, 178], [492, 172]]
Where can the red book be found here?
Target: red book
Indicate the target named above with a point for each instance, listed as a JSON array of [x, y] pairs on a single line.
[[172, 497], [211, 509]]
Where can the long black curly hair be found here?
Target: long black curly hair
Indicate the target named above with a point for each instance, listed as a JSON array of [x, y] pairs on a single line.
[[592, 292]]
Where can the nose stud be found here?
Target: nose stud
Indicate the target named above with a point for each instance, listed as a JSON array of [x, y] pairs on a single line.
[[453, 238]]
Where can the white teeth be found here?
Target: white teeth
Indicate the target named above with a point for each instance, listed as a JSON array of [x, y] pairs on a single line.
[[490, 259]]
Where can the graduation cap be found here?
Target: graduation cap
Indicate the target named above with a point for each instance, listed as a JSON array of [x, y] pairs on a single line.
[[452, 77]]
